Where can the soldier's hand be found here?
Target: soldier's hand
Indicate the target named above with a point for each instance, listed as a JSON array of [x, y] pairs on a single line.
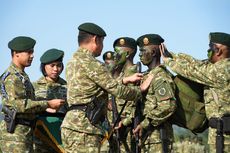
[[56, 103], [110, 107], [119, 126], [164, 52], [132, 79], [50, 110], [138, 130], [145, 85]]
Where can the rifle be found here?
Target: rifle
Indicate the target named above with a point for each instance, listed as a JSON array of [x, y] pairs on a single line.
[[219, 126], [107, 137], [115, 116], [137, 117], [163, 137]]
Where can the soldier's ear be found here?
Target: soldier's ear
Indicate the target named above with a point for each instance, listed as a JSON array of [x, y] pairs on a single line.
[[94, 39], [127, 54], [15, 54], [154, 52], [219, 52]]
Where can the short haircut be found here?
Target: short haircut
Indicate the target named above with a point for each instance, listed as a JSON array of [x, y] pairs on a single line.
[[84, 37]]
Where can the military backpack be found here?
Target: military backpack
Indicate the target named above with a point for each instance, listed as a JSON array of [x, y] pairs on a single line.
[[190, 112]]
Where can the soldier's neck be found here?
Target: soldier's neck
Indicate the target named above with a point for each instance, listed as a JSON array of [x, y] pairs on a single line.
[[17, 63], [51, 79], [154, 63], [117, 72], [128, 64]]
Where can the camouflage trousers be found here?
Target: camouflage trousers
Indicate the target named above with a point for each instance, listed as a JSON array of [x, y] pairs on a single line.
[[15, 147], [78, 142]]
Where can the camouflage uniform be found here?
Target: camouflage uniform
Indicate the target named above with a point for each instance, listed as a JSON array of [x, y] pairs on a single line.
[[216, 93], [18, 92], [86, 78], [160, 104], [45, 89]]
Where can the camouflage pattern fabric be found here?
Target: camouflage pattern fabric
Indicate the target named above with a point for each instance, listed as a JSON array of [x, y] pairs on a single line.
[[17, 92], [15, 147], [216, 79], [160, 104], [78, 142], [50, 90], [87, 77], [45, 89]]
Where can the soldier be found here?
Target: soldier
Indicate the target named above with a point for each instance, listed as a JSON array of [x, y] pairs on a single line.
[[160, 102], [18, 94], [125, 50], [50, 86], [89, 83], [215, 76], [108, 58]]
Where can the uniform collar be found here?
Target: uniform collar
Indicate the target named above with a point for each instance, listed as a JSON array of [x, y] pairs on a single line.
[[85, 51], [17, 69], [43, 80]]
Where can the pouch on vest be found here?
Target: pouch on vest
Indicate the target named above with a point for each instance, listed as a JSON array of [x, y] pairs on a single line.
[[190, 112]]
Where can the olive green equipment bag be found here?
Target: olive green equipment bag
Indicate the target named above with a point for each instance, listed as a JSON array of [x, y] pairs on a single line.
[[190, 112]]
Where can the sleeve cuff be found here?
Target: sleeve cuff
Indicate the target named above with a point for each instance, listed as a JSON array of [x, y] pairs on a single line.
[[145, 123], [127, 121]]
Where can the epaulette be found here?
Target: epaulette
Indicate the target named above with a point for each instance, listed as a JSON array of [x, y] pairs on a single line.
[[3, 89]]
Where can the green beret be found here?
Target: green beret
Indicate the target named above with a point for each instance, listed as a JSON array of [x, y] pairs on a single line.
[[149, 39], [108, 55], [21, 43], [220, 38], [92, 29], [52, 55], [125, 42]]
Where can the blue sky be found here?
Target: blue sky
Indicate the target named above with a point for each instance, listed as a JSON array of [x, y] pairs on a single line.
[[183, 24]]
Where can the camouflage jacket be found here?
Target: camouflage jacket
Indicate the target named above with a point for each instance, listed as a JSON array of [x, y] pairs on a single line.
[[129, 110], [215, 77], [17, 92], [50, 90], [87, 78], [160, 102]]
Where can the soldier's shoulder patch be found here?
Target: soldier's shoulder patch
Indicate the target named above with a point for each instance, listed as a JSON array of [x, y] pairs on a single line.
[[163, 90]]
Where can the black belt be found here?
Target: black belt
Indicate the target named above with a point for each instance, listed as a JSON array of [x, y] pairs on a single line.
[[78, 107], [52, 114]]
